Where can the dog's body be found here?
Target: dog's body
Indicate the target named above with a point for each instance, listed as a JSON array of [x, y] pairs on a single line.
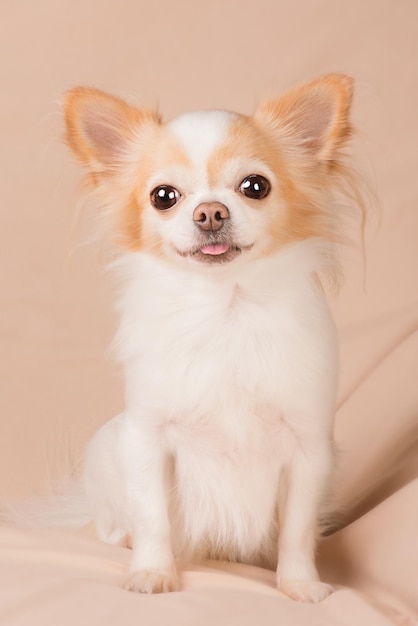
[[225, 446], [214, 382]]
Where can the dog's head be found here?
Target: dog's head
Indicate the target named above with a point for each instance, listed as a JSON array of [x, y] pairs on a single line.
[[211, 187]]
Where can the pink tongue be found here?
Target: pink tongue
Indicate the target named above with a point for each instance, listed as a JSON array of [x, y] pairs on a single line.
[[216, 248]]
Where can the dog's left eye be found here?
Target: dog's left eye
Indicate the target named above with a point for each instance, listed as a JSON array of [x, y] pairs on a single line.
[[164, 197], [255, 187]]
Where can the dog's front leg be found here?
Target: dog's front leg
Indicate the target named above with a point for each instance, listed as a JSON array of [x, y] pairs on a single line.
[[306, 483], [152, 568]]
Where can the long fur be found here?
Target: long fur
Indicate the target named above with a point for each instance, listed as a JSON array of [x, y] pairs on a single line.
[[225, 448]]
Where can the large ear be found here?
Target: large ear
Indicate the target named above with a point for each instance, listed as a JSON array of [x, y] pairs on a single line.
[[101, 129], [314, 117]]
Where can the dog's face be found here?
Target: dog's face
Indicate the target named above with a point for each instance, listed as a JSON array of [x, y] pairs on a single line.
[[211, 195], [209, 188]]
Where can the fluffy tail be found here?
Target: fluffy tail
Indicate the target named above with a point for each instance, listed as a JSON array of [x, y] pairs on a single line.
[[67, 508]]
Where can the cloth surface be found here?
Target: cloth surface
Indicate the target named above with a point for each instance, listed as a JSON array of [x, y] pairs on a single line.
[[58, 383]]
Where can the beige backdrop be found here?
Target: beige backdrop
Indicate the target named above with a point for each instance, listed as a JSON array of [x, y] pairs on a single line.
[[58, 382]]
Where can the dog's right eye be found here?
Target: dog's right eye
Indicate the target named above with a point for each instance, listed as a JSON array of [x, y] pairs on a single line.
[[164, 197]]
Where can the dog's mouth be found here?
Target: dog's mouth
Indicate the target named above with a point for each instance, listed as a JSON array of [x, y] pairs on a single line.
[[215, 252]]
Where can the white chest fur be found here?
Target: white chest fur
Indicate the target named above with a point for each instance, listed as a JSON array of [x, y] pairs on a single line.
[[196, 345], [224, 372]]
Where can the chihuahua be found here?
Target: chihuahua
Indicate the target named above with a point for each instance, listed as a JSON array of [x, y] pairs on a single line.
[[225, 224]]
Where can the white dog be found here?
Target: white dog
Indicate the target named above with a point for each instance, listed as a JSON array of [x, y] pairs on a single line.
[[224, 222]]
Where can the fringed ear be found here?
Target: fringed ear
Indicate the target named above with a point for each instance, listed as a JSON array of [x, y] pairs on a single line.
[[314, 117], [102, 129]]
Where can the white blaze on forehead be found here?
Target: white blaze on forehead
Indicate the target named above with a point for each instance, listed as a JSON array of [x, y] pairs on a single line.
[[201, 132]]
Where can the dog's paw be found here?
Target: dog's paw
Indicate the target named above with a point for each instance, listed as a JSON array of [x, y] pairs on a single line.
[[305, 590], [152, 581]]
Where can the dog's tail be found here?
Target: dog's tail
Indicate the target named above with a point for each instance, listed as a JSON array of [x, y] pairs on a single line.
[[67, 507]]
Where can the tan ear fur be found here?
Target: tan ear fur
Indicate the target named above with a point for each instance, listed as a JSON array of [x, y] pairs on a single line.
[[101, 127], [314, 117]]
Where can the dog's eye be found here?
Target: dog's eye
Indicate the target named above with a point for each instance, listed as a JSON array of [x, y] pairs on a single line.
[[164, 197], [255, 187]]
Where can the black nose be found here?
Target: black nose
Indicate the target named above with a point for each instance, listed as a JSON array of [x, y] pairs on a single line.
[[210, 216]]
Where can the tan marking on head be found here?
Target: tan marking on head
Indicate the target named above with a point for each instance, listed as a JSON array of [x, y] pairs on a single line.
[[163, 153], [298, 137], [289, 216], [121, 147]]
